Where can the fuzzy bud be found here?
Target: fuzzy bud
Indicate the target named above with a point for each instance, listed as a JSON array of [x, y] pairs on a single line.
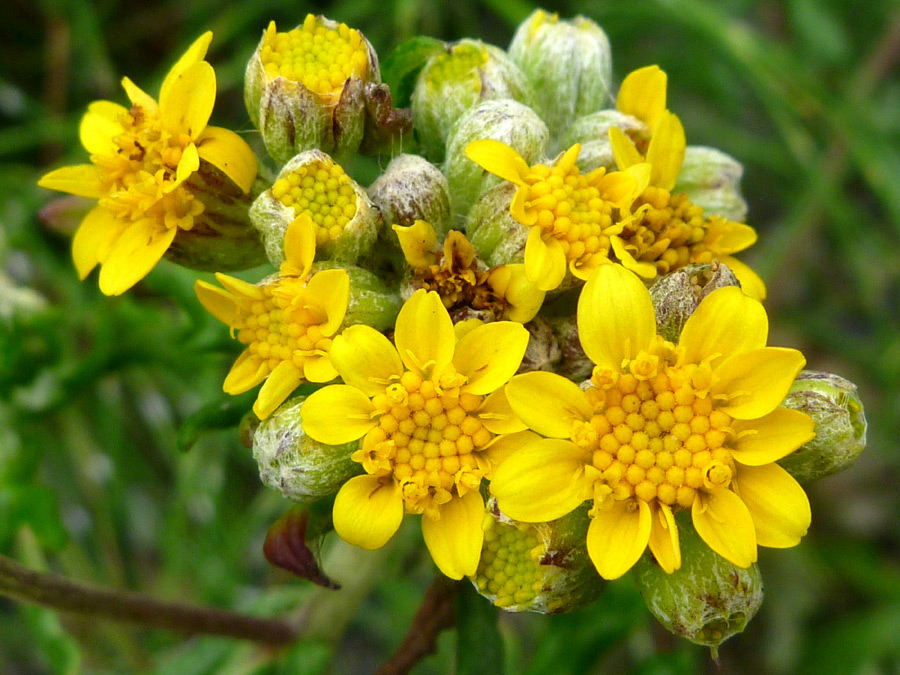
[[592, 132], [712, 180], [371, 302], [834, 405], [453, 80], [708, 599], [569, 62], [410, 189], [496, 235]]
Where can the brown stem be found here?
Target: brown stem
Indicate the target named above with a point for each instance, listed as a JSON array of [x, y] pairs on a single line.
[[56, 592], [436, 613]]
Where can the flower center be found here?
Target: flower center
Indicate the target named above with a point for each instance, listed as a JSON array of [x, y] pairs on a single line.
[[323, 191], [670, 233], [321, 58], [428, 439], [509, 568], [279, 327], [457, 65], [571, 210], [655, 433]]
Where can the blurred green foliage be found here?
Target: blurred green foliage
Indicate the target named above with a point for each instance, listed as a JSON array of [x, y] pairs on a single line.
[[100, 397]]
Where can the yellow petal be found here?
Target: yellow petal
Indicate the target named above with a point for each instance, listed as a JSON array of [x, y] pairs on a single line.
[[778, 505], [194, 54], [751, 284], [97, 233], [367, 511], [424, 333], [547, 402], [623, 187], [646, 270], [188, 164], [498, 158], [624, 151], [757, 381], [247, 372], [418, 243], [497, 415], [545, 261], [520, 208], [319, 368], [329, 290], [82, 180], [299, 247], [280, 384], [504, 446], [240, 288], [768, 439], [454, 540], [230, 154], [664, 538], [724, 523], [337, 414], [186, 105], [666, 151], [489, 355], [542, 481], [99, 126], [726, 236], [726, 323], [218, 302], [139, 97], [523, 298], [643, 94], [135, 253], [616, 319], [618, 536], [366, 359]]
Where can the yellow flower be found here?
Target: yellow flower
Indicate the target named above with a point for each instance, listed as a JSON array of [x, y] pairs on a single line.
[[429, 409], [461, 278], [668, 231], [141, 160], [572, 217], [288, 322], [662, 429]]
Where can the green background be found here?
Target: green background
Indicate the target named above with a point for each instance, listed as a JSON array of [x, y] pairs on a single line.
[[119, 458]]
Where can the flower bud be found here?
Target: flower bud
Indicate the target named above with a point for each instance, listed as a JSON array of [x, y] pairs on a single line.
[[592, 132], [503, 120], [304, 89], [712, 180], [371, 302], [569, 62], [410, 189], [294, 464], [452, 81], [834, 405], [676, 295], [347, 223], [496, 235], [536, 567], [708, 599]]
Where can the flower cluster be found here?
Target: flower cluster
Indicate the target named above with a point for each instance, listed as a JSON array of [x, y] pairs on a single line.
[[542, 347]]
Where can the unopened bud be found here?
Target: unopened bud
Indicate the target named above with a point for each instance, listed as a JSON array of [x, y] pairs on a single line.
[[294, 464], [712, 181], [410, 189], [676, 295], [496, 235], [708, 599], [569, 62], [452, 81], [834, 405], [592, 132], [504, 120], [536, 567], [347, 223], [371, 302]]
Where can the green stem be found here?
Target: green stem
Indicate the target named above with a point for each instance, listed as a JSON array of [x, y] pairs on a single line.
[[59, 593]]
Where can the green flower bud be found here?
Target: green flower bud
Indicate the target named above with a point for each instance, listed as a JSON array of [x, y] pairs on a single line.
[[503, 120], [834, 404], [496, 235], [708, 599], [294, 464], [305, 89], [347, 223], [676, 295], [371, 302], [452, 81], [410, 189], [712, 180], [569, 62], [592, 131], [536, 567]]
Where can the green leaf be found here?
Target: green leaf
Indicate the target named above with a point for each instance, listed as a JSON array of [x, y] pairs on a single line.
[[479, 645], [401, 67]]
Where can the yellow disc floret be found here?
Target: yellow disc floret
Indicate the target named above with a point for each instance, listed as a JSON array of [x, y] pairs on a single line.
[[457, 65], [510, 569], [318, 56], [322, 190]]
